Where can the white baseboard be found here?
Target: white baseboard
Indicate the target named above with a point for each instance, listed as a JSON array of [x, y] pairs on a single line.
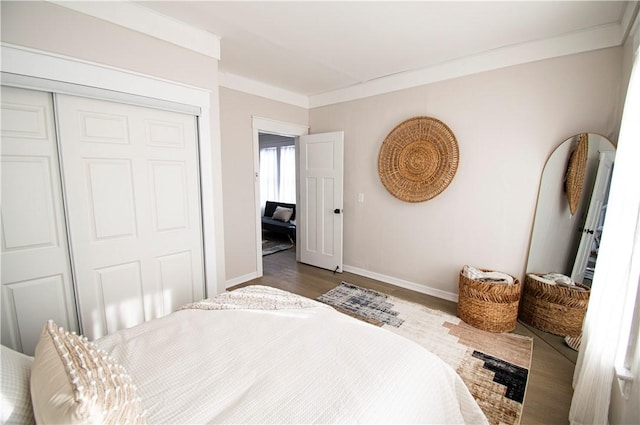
[[438, 293], [241, 279]]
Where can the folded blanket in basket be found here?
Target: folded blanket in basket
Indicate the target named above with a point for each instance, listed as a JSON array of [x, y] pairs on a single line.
[[487, 277], [556, 279]]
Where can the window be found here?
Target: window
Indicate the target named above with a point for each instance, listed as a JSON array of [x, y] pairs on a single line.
[[277, 171]]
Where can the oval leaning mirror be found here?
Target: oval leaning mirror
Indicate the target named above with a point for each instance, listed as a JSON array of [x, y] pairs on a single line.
[[568, 243]]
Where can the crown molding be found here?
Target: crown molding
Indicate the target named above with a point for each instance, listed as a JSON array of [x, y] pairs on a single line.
[[592, 39], [55, 68], [634, 28], [138, 18], [630, 20], [149, 22], [247, 85]]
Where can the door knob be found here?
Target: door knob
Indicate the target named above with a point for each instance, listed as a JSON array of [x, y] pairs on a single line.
[[337, 211]]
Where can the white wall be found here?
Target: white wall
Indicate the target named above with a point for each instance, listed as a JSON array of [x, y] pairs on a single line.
[[507, 123], [48, 27], [236, 111]]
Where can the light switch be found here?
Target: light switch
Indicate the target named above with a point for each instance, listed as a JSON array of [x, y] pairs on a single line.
[[361, 197]]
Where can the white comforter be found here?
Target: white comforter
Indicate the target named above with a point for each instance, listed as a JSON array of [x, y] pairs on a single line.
[[290, 363]]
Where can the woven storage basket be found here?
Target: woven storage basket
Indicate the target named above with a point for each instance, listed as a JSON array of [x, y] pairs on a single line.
[[551, 308], [488, 306]]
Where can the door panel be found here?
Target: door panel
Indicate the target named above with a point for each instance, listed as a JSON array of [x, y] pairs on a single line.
[[31, 304], [110, 195], [309, 225], [28, 216], [173, 269], [104, 128], [320, 210], [169, 190], [592, 230], [121, 295], [328, 228], [132, 189], [22, 120], [36, 276], [164, 134]]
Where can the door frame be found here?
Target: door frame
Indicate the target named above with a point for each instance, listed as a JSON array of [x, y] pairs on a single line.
[[39, 70], [266, 125]]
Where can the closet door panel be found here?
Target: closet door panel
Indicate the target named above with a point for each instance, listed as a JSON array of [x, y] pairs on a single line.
[[28, 216], [121, 293], [173, 270], [111, 198], [169, 195], [132, 187], [36, 276], [30, 304]]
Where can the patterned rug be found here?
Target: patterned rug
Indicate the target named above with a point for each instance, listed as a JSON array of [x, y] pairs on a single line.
[[271, 247], [495, 367]]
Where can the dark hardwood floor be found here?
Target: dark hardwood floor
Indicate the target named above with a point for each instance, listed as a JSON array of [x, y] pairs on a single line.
[[549, 390]]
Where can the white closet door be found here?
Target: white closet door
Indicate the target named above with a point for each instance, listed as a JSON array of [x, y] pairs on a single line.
[[132, 190], [36, 277]]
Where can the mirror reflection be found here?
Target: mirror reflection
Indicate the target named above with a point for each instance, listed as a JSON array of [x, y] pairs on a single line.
[[562, 242]]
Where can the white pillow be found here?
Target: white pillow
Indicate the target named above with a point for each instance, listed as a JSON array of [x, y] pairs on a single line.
[[282, 214], [16, 396], [74, 382]]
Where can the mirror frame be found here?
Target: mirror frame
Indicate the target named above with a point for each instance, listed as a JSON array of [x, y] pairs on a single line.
[[556, 233]]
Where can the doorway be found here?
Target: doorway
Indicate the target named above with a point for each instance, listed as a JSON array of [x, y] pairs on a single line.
[[274, 134], [277, 182], [319, 199]]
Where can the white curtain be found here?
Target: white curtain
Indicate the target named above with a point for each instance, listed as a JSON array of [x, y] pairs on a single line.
[[268, 175], [287, 174], [603, 334], [278, 174]]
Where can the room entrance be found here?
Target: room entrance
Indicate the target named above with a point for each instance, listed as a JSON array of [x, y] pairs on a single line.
[[277, 182], [317, 210]]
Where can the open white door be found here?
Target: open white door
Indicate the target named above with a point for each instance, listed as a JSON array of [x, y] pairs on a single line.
[[319, 213], [592, 229]]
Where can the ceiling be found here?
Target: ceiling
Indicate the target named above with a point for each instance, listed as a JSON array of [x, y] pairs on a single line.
[[321, 48]]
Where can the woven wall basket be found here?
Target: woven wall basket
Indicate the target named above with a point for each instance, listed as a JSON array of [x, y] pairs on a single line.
[[418, 159], [575, 173]]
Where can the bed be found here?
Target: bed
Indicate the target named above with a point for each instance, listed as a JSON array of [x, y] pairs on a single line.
[[253, 355]]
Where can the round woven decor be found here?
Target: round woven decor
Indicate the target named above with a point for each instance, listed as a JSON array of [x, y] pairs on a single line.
[[418, 159]]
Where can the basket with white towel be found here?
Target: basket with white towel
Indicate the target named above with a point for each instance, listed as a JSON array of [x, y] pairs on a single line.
[[487, 276], [488, 300], [554, 303], [558, 279]]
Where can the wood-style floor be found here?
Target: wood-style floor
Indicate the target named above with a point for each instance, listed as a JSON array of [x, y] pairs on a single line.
[[549, 390]]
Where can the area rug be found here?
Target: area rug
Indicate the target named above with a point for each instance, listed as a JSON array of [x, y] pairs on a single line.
[[271, 247], [494, 366]]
